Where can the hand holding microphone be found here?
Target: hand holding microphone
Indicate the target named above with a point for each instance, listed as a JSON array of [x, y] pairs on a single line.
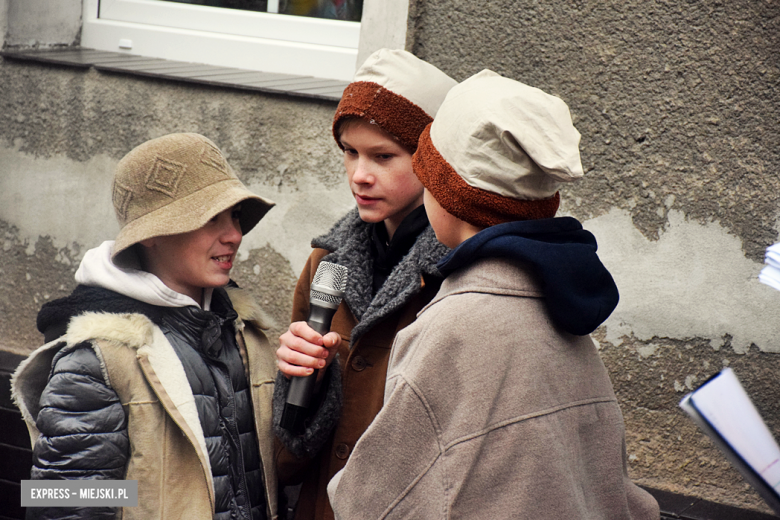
[[327, 291], [302, 349]]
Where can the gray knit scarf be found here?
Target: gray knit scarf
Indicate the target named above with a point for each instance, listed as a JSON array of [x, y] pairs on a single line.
[[350, 244]]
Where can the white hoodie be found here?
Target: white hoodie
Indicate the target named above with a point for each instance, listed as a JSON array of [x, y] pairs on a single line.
[[97, 270]]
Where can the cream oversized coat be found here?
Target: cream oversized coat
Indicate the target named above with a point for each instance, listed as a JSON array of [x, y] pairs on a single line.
[[492, 412]]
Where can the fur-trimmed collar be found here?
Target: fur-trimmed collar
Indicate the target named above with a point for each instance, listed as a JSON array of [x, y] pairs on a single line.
[[54, 316], [133, 330], [130, 330], [350, 244], [247, 308], [94, 313]]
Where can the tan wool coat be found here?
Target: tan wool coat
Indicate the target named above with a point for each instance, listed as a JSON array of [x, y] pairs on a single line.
[[492, 412], [168, 454], [364, 368]]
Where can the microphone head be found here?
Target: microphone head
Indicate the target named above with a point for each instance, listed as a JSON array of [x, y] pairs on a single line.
[[329, 284]]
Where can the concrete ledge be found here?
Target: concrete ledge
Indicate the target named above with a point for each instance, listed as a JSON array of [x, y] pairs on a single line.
[[228, 77]]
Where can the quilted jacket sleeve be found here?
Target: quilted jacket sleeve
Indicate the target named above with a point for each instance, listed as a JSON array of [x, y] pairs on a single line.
[[83, 429]]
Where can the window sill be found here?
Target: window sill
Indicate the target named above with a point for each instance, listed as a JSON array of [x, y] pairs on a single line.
[[273, 83]]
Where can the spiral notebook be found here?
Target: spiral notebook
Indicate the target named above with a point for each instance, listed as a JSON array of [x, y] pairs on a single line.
[[722, 409]]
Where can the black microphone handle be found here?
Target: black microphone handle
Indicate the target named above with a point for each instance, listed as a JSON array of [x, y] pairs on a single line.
[[302, 388]]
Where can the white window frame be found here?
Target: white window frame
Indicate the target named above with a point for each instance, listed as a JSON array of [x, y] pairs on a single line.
[[266, 42]]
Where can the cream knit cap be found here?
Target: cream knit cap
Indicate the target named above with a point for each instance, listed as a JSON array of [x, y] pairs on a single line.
[[396, 91], [176, 184], [498, 150]]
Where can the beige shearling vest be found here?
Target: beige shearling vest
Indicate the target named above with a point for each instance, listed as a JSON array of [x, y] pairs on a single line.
[[168, 455]]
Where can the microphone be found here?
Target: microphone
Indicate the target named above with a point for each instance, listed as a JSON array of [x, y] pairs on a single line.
[[327, 291]]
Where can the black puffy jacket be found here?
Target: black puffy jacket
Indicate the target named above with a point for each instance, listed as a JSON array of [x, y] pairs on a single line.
[[83, 425]]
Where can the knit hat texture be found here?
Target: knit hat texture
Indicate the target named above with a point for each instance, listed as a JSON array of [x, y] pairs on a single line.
[[176, 184], [498, 151], [396, 91]]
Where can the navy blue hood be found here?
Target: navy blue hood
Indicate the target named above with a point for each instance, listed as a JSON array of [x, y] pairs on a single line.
[[580, 294]]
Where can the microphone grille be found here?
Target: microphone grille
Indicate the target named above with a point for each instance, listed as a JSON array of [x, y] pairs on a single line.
[[329, 283]]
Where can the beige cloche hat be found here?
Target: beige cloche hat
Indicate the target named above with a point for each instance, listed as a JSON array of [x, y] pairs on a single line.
[[176, 184]]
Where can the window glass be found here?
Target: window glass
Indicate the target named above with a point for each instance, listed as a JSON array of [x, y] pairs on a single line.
[[350, 10], [246, 5]]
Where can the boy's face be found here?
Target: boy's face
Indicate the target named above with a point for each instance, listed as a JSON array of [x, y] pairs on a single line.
[[190, 262], [380, 174]]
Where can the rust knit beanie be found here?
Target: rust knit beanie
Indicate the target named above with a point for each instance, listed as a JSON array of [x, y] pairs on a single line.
[[176, 184], [396, 91], [497, 151]]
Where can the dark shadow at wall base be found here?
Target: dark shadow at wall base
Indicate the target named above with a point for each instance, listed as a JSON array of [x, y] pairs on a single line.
[[15, 452], [674, 506]]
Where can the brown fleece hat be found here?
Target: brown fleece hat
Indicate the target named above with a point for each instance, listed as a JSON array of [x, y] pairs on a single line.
[[396, 91], [497, 151], [176, 184]]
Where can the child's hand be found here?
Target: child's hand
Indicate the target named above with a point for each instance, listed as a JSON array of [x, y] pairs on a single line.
[[301, 350]]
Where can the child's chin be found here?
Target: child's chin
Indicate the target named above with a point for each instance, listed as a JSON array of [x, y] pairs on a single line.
[[220, 281], [371, 217]]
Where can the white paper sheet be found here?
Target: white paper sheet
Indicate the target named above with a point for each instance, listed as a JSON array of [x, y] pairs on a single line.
[[725, 405]]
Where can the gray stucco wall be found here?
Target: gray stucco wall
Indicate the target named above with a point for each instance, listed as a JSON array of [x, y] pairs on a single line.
[[677, 103], [62, 132], [40, 23]]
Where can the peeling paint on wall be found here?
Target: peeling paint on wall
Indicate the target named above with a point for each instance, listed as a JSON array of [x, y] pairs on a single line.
[[66, 200], [70, 202], [55, 208], [693, 282], [298, 217], [62, 132]]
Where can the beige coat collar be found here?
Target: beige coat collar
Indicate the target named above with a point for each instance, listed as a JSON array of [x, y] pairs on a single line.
[[490, 275]]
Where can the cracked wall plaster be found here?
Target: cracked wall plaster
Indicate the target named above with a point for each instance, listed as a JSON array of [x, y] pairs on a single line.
[[57, 197], [694, 281], [677, 103], [666, 450], [62, 132], [70, 202], [60, 208], [672, 98]]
